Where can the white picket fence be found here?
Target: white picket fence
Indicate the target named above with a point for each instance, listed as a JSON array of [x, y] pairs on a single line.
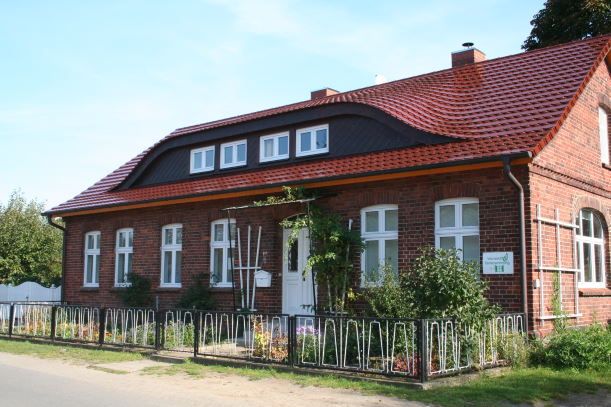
[[29, 291]]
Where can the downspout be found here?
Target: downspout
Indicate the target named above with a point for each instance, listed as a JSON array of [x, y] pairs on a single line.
[[523, 279], [63, 229]]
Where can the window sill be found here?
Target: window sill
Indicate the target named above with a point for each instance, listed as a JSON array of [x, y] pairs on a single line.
[[221, 288], [606, 166], [169, 288], [90, 288], [595, 292], [115, 288]]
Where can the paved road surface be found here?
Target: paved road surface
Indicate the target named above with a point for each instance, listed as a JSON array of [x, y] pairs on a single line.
[[26, 381]]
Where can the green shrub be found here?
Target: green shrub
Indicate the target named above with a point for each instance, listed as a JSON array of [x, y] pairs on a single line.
[[197, 296], [513, 349], [579, 348], [138, 293], [437, 285]]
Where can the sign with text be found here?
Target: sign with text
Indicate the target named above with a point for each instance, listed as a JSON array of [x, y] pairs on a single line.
[[498, 262]]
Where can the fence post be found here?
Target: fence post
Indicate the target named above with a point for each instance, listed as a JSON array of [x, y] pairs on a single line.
[[157, 330], [53, 322], [196, 325], [102, 327], [10, 321], [292, 342], [423, 343]]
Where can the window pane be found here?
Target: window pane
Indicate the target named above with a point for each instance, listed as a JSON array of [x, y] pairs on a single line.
[[391, 221], [89, 276], [97, 241], [600, 267], [232, 232], [391, 254], [179, 235], [210, 158], [218, 232], [587, 223], [121, 268], [168, 236], [321, 138], [90, 242], [197, 160], [470, 214], [167, 267], [598, 227], [372, 259], [447, 242], [228, 266], [241, 152], [217, 266], [129, 263], [587, 263], [96, 276], [283, 145], [130, 239], [122, 239], [372, 221], [306, 142], [177, 278], [228, 154], [470, 248], [268, 148], [447, 216], [293, 254]]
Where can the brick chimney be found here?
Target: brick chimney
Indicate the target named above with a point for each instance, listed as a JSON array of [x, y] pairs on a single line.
[[467, 56], [317, 94]]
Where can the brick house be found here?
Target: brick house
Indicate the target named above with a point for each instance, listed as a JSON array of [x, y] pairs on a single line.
[[504, 159]]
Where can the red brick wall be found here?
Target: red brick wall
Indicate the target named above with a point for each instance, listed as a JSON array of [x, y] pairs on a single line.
[[567, 175], [415, 196]]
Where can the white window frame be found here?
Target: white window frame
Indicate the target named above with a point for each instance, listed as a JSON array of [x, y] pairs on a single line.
[[203, 151], [313, 151], [173, 248], [603, 131], [457, 231], [276, 147], [225, 245], [123, 250], [234, 154], [95, 252], [593, 241], [381, 236]]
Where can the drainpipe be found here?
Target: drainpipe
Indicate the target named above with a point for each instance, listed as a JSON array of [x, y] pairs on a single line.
[[523, 280], [63, 229]]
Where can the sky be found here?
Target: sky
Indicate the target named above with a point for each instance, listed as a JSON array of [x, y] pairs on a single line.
[[85, 86]]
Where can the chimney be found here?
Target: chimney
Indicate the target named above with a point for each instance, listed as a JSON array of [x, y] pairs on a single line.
[[317, 94], [469, 55]]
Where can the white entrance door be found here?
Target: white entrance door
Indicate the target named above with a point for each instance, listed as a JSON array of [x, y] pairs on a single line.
[[297, 295]]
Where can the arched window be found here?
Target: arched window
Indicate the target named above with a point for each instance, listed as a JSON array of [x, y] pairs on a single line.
[[380, 232], [603, 131], [92, 259], [590, 249], [457, 227], [124, 251]]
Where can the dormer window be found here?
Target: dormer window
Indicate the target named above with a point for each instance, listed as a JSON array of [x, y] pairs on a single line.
[[233, 154], [313, 140], [202, 159], [274, 147], [603, 131]]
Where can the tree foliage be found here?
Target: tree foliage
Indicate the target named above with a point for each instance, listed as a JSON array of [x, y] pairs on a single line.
[[562, 21], [30, 248], [138, 292], [437, 285]]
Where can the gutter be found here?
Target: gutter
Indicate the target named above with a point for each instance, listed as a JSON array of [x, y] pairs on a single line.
[[63, 229], [523, 279]]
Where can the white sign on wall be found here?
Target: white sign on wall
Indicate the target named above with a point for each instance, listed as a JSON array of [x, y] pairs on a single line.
[[498, 262]]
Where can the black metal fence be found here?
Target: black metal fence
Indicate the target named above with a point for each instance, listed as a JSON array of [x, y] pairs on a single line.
[[411, 348]]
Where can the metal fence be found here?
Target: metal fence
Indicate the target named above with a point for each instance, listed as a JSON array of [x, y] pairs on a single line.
[[412, 348]]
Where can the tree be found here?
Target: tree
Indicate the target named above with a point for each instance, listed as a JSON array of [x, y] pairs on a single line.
[[30, 249], [562, 21]]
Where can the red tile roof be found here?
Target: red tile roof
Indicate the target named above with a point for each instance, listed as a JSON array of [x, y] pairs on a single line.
[[502, 106]]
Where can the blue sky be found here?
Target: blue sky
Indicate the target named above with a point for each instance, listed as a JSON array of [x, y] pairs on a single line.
[[85, 86]]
